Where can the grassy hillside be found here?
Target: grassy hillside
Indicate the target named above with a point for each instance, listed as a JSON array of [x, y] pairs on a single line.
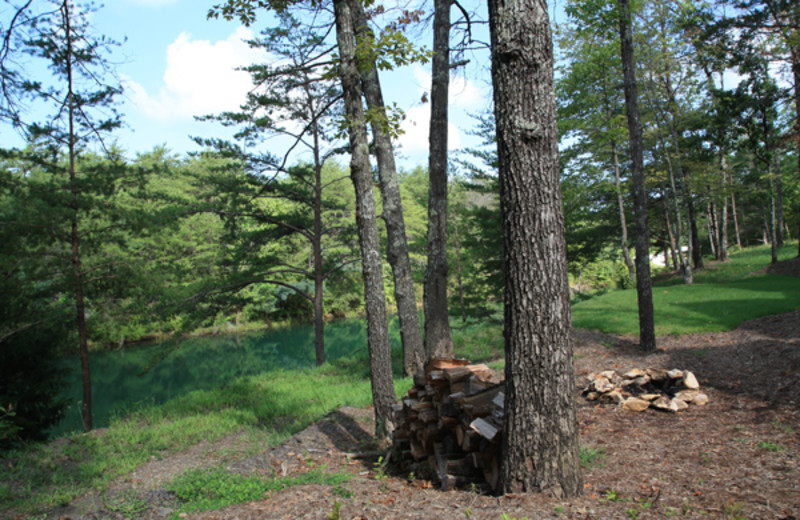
[[722, 297]]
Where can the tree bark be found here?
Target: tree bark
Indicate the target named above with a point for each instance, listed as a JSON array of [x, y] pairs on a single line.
[[316, 246], [778, 202], [540, 440], [644, 286], [735, 220], [397, 244], [438, 341], [380, 355], [697, 250]]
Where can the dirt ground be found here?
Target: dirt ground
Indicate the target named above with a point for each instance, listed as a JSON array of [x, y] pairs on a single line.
[[736, 457]]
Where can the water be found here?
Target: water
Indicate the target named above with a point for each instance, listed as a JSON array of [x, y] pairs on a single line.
[[155, 373]]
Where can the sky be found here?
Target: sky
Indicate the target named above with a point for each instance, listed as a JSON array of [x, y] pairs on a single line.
[[175, 64]]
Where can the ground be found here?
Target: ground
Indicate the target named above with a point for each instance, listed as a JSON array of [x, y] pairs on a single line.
[[736, 457]]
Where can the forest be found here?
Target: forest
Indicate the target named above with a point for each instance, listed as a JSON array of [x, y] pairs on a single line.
[[664, 137]]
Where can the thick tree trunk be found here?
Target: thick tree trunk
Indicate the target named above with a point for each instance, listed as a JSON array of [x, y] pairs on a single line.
[[397, 244], [540, 440], [626, 254], [644, 285], [380, 354], [438, 341]]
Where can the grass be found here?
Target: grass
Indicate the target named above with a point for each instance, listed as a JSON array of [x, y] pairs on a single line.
[[721, 298], [267, 409], [215, 488]]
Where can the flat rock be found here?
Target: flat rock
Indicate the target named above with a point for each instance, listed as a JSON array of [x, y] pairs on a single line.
[[634, 404], [701, 399], [687, 396], [634, 373], [690, 381]]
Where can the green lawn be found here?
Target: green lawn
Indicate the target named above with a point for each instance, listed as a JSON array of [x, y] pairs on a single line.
[[722, 297]]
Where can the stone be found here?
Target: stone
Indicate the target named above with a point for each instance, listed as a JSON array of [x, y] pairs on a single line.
[[601, 385], [649, 397], [663, 404], [634, 404], [701, 399], [689, 381], [687, 396], [634, 373], [592, 396], [678, 405], [675, 373], [657, 374], [615, 396], [608, 374]]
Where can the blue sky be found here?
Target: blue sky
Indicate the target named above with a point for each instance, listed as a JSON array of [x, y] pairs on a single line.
[[176, 64]]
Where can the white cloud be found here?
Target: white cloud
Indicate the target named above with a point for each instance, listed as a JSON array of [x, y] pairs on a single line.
[[415, 128], [199, 79]]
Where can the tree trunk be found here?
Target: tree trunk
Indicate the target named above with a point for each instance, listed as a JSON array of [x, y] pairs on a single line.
[[735, 220], [778, 202], [668, 226], [80, 308], [644, 286], [724, 238], [540, 440], [397, 244], [713, 226], [458, 273], [438, 341], [795, 52], [316, 246], [697, 250], [380, 354], [626, 254]]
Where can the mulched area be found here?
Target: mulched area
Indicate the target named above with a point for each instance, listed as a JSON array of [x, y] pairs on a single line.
[[736, 457]]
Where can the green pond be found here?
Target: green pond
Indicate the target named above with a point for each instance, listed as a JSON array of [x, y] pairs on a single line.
[[129, 377]]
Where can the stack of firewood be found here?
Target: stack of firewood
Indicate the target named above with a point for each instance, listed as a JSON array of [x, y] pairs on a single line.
[[450, 424]]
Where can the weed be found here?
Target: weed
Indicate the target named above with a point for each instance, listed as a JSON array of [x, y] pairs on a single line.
[[785, 428], [771, 446], [733, 510], [591, 457], [334, 515], [686, 507], [504, 516], [128, 504], [380, 469], [670, 511], [468, 513], [558, 509], [741, 440], [633, 513], [611, 495], [342, 492]]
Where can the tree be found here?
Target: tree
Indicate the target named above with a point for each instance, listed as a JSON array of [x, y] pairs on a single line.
[[380, 355], [438, 341], [540, 440], [644, 285], [284, 95], [397, 245], [81, 111]]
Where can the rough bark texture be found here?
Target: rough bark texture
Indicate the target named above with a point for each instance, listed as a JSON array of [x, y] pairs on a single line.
[[316, 245], [438, 342], [397, 246], [540, 441], [795, 51], [644, 285], [380, 359]]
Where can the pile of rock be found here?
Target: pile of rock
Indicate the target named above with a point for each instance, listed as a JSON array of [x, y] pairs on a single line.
[[640, 389]]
